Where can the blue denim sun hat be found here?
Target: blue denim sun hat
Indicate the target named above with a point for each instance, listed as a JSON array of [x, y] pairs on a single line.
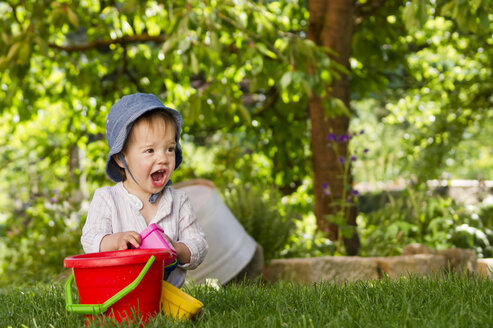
[[119, 123]]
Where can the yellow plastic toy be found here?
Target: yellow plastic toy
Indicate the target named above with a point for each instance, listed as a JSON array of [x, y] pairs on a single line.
[[177, 304]]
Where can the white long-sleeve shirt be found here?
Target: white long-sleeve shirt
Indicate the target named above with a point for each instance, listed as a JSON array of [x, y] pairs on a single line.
[[113, 209]]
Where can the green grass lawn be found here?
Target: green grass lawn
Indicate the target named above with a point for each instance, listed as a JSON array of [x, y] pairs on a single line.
[[415, 302]]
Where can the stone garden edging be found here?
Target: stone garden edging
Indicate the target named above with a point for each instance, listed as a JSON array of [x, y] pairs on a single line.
[[341, 269]]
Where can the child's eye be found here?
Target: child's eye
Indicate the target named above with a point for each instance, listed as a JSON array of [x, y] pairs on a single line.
[[149, 151], [171, 149]]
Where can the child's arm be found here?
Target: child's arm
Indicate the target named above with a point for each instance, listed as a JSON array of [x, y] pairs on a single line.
[[183, 254], [119, 241], [190, 245]]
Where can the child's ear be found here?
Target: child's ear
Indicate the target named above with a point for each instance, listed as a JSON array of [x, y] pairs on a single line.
[[116, 157]]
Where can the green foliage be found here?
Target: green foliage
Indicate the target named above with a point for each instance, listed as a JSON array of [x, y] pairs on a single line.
[[428, 66], [470, 16], [231, 66], [308, 241], [486, 216], [219, 63], [241, 73], [37, 240], [42, 201], [415, 216], [450, 98], [261, 211]]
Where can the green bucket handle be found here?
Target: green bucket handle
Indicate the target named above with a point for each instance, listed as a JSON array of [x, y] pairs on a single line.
[[101, 308]]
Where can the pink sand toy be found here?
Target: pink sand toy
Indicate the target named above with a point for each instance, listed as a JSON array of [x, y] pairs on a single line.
[[151, 237]]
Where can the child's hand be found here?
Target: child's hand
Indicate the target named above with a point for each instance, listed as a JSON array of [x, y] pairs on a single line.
[[182, 252], [168, 240], [120, 241]]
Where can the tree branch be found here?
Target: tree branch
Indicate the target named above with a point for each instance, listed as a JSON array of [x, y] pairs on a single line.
[[101, 44]]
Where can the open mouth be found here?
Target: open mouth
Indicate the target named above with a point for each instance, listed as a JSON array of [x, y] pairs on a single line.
[[158, 178]]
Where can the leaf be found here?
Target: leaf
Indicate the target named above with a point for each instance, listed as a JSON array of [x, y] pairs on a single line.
[[447, 9], [254, 84], [138, 24], [264, 25], [297, 76], [304, 49], [14, 49], [129, 6], [215, 44], [184, 44], [484, 21], [422, 13], [24, 53], [409, 15], [264, 50], [168, 44], [5, 37], [306, 87], [244, 113], [3, 64], [285, 80], [43, 46], [195, 108], [72, 17], [474, 5], [194, 62]]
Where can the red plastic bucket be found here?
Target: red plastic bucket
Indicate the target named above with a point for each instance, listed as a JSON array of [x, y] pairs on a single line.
[[120, 284]]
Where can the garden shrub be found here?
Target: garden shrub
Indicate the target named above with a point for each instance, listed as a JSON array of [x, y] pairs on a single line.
[[418, 216], [486, 216], [308, 241], [261, 212], [37, 240]]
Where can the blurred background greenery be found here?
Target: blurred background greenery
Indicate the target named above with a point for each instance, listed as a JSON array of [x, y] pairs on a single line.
[[242, 74]]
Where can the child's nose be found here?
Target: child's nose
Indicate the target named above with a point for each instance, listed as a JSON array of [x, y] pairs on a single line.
[[163, 157]]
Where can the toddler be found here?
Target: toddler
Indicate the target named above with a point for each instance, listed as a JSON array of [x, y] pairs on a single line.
[[144, 140]]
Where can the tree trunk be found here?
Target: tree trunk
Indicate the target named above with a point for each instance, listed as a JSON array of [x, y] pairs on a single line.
[[331, 25]]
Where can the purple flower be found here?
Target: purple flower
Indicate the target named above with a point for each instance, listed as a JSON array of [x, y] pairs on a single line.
[[326, 188], [332, 137], [343, 138], [53, 200], [353, 158], [349, 200], [365, 150], [362, 132], [355, 192], [342, 160]]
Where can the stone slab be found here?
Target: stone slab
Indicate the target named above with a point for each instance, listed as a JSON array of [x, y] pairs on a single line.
[[341, 269], [485, 267], [460, 260], [337, 269], [405, 265]]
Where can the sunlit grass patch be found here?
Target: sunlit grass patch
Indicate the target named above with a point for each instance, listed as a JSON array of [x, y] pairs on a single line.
[[450, 301]]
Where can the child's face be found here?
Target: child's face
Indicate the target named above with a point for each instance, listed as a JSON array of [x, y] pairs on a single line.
[[150, 156]]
